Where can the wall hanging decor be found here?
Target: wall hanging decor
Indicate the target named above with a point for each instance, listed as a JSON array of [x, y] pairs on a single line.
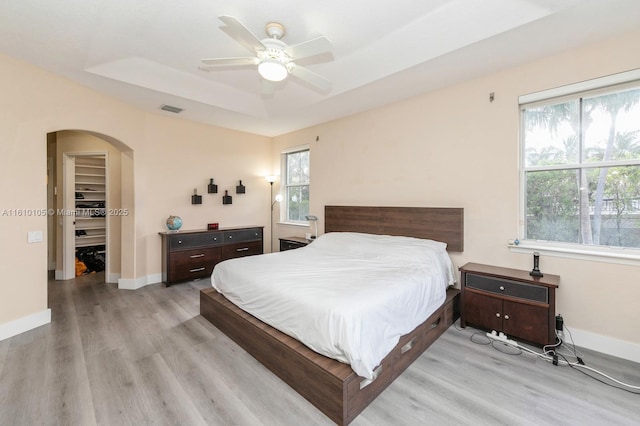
[[212, 188], [226, 198], [240, 189], [195, 198]]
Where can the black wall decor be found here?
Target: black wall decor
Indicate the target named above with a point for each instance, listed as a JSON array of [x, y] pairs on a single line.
[[212, 188], [226, 198], [240, 189], [195, 198]]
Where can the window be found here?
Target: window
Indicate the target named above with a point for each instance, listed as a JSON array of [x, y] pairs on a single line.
[[581, 167], [296, 185]]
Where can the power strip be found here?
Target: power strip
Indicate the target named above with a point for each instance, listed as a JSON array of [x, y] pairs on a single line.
[[501, 337]]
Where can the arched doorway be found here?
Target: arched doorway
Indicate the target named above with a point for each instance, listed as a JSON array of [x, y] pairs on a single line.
[[66, 146]]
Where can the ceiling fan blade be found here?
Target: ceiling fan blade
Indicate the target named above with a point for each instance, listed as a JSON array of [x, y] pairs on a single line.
[[241, 34], [310, 77], [214, 62], [311, 47]]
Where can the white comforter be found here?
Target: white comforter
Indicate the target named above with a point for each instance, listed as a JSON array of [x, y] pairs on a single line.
[[347, 296]]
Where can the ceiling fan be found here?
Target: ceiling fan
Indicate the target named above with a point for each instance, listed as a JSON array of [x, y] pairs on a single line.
[[274, 58]]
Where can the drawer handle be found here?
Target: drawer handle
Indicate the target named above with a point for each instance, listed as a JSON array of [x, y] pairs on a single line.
[[501, 288], [195, 256], [196, 269], [243, 249], [406, 348], [436, 323], [498, 314], [179, 241], [230, 236], [506, 317]]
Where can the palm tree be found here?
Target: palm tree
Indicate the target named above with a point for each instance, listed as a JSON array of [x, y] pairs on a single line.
[[611, 104], [579, 115], [551, 117]]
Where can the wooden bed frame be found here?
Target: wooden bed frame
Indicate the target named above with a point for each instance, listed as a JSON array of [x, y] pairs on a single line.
[[333, 387]]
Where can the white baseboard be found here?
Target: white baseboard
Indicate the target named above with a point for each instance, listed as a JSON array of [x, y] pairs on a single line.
[[136, 283], [15, 327], [605, 344], [112, 278]]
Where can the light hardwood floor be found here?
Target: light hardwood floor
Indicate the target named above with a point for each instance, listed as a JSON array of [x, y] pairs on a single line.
[[118, 357]]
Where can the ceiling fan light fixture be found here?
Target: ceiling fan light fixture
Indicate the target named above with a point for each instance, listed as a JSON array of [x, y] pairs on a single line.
[[272, 70]]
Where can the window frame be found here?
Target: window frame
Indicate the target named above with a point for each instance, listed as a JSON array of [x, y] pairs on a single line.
[[601, 253], [284, 210]]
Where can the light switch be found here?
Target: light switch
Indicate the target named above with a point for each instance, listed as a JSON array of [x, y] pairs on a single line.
[[34, 236]]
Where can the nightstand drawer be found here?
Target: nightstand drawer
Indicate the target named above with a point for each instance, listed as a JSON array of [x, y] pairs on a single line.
[[508, 288], [292, 243], [185, 241]]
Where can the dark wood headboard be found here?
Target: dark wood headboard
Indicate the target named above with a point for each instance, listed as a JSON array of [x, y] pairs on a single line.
[[434, 223]]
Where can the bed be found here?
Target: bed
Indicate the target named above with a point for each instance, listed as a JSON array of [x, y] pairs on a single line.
[[333, 386]]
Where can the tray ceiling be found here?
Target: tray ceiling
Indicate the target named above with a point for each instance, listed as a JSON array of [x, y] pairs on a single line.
[[147, 53]]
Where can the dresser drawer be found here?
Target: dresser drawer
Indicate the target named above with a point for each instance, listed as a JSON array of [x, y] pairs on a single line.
[[203, 239], [231, 251], [240, 235], [192, 264], [507, 288]]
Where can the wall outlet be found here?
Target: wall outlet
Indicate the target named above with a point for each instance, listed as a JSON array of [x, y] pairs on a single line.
[[34, 237]]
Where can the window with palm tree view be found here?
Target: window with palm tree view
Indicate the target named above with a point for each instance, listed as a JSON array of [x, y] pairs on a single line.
[[581, 166]]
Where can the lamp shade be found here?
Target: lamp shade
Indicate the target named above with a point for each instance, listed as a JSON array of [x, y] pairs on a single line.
[[272, 70], [271, 178]]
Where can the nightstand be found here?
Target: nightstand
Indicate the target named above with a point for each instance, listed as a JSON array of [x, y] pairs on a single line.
[[290, 243], [510, 301]]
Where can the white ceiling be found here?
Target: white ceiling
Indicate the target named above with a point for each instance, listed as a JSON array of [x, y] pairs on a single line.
[[147, 52]]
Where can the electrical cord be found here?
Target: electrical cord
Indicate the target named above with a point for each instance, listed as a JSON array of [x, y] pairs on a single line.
[[560, 359], [551, 354], [486, 341], [573, 345], [581, 365], [623, 386], [505, 345]]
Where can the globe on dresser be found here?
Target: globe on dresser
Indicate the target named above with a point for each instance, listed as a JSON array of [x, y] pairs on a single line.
[[174, 223]]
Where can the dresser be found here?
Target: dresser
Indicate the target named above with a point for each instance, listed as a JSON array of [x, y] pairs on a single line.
[[189, 255], [509, 301]]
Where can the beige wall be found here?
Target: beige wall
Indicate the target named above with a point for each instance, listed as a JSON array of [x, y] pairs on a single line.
[[184, 156], [447, 148], [166, 158], [454, 148]]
